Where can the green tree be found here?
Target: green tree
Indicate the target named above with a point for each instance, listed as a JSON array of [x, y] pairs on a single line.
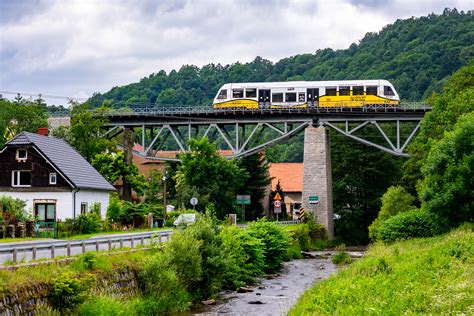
[[209, 177], [394, 201], [113, 167], [448, 187], [256, 184], [154, 192]]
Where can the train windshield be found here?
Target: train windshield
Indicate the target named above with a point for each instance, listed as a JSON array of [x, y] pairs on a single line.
[[387, 90], [222, 94]]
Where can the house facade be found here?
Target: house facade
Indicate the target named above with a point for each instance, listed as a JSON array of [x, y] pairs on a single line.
[[52, 177]]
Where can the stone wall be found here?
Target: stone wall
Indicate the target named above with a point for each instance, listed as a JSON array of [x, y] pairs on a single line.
[[32, 298]]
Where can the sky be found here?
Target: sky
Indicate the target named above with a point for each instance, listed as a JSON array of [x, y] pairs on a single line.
[[77, 47]]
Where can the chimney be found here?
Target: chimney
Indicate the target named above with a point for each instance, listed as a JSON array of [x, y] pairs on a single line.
[[43, 131]]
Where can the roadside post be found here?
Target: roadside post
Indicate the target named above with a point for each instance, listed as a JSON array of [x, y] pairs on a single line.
[[243, 200], [277, 205], [314, 200], [194, 202]]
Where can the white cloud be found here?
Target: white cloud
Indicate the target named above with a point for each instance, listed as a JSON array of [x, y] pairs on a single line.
[[78, 47]]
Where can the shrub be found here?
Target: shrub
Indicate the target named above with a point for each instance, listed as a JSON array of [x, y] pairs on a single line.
[[275, 240], [114, 211], [15, 208], [67, 291], [341, 256], [164, 293], [394, 201], [415, 223], [246, 253]]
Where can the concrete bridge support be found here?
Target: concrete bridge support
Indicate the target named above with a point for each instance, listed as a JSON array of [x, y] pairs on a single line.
[[317, 178]]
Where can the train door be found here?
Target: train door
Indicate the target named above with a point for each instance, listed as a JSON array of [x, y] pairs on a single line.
[[313, 96], [264, 97]]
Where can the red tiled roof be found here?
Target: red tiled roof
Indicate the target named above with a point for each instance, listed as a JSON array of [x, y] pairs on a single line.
[[289, 174]]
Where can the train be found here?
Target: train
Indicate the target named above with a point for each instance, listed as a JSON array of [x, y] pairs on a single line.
[[304, 94]]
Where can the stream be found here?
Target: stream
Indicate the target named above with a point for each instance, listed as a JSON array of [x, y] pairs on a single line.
[[273, 294]]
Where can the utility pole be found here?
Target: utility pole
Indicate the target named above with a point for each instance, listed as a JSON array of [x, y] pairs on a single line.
[[164, 192]]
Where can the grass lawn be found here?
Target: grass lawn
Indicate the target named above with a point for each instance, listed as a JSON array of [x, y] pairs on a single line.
[[418, 276], [4, 240], [83, 236]]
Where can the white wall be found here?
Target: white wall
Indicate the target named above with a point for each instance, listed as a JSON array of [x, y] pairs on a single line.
[[90, 197], [63, 201]]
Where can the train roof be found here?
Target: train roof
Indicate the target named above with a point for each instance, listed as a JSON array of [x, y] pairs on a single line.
[[298, 84]]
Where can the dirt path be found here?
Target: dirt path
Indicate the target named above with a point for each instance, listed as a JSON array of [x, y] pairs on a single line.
[[274, 294]]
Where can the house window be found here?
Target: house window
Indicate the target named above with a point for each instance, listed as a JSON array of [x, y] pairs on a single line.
[[53, 178], [45, 212], [84, 208], [21, 178], [21, 154]]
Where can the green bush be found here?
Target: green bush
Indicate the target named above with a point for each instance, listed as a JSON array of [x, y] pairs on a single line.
[[67, 291], [276, 242], [395, 200], [415, 223], [163, 291], [341, 256], [83, 224], [246, 253]]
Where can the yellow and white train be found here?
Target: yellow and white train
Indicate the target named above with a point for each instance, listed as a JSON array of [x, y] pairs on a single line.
[[302, 94]]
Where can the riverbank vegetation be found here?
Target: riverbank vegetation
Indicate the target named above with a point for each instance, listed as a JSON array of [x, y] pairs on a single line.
[[196, 264], [417, 276]]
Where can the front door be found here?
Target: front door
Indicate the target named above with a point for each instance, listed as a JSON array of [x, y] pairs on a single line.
[[263, 97]]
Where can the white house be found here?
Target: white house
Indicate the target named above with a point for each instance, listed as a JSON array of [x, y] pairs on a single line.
[[52, 177]]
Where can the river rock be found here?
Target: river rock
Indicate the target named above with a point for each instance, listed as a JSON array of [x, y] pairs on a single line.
[[256, 302], [209, 302], [244, 289]]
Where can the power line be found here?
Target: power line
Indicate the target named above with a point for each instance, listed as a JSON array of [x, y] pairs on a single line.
[[39, 95]]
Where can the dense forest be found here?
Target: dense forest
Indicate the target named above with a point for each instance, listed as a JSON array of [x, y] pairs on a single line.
[[416, 55]]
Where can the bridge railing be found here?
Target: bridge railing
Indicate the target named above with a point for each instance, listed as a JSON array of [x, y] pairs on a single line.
[[205, 109]]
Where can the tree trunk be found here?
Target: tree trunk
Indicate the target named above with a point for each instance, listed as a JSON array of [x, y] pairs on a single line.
[[129, 136]]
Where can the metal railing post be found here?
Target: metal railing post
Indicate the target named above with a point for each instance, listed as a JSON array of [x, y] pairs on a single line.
[[68, 249], [33, 253], [52, 251], [15, 255]]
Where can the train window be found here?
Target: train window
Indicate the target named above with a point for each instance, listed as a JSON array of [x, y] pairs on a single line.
[[331, 91], [222, 94], [387, 90], [358, 90], [371, 90], [277, 97], [290, 97], [344, 90], [250, 93], [301, 97], [237, 93]]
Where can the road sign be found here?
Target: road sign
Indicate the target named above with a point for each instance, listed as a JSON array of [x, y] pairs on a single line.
[[277, 203], [277, 197], [301, 215], [193, 201], [277, 210], [313, 199], [243, 199]]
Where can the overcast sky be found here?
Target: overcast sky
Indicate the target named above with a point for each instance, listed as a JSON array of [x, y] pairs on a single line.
[[77, 47]]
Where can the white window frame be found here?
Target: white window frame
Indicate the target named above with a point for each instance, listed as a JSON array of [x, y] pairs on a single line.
[[16, 173], [18, 156], [51, 176]]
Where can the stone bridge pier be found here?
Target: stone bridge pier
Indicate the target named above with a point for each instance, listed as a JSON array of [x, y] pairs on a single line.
[[317, 178]]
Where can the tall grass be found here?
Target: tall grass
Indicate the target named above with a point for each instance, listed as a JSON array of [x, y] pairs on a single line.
[[419, 276]]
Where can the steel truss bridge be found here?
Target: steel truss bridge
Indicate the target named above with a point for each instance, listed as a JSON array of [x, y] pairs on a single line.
[[242, 132]]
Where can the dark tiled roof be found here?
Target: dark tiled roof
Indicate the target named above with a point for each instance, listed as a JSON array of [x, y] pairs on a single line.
[[66, 159]]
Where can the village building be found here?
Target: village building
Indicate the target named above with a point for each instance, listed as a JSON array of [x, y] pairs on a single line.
[[52, 177]]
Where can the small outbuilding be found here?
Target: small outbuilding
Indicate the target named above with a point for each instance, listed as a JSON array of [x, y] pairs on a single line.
[[52, 177]]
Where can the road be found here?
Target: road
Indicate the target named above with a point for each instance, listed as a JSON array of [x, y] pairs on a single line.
[[102, 242]]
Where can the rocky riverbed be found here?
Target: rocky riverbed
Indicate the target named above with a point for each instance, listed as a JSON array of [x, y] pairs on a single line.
[[273, 294]]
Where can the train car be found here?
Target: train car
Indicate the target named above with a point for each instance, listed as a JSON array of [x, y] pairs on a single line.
[[302, 94]]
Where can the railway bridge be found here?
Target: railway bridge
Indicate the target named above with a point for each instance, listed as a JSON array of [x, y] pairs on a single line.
[[243, 132]]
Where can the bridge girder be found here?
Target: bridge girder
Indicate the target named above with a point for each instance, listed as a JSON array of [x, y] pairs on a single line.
[[241, 132]]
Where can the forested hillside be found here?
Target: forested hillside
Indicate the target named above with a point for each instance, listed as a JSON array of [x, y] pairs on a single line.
[[416, 54]]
